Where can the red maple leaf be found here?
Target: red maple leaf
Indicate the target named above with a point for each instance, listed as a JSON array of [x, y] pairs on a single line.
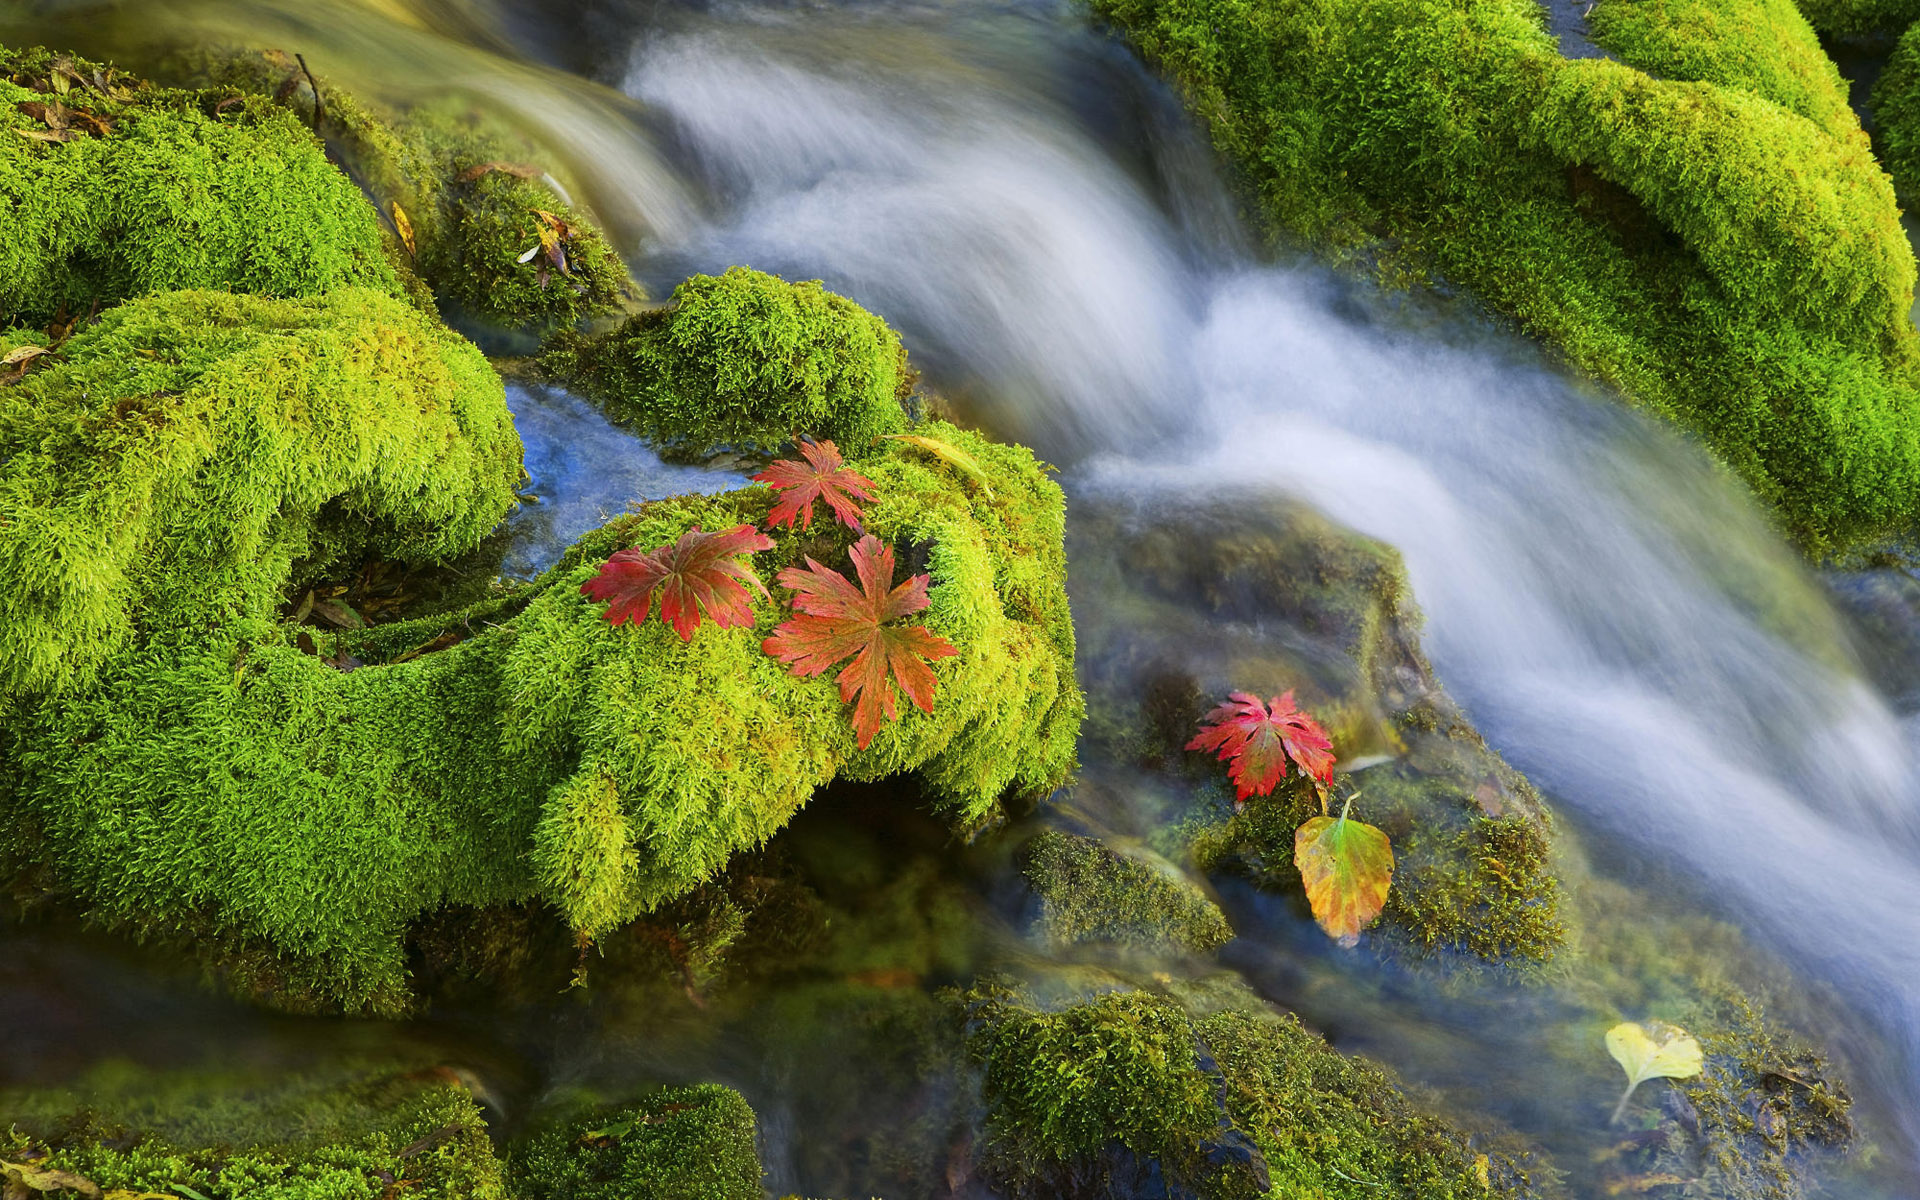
[[1258, 742], [824, 476], [840, 620], [700, 573]]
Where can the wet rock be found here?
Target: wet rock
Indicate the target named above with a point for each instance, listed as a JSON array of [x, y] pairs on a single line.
[[1092, 893]]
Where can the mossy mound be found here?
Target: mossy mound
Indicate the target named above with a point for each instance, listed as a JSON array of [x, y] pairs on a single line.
[[1896, 113], [1860, 18], [184, 762], [156, 190], [464, 196], [747, 360], [346, 1132], [1091, 893], [1265, 595], [1724, 247], [1237, 1102], [685, 1143]]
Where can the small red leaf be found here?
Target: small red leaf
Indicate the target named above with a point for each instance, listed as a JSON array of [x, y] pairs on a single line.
[[824, 476], [1258, 743], [839, 620], [699, 574]]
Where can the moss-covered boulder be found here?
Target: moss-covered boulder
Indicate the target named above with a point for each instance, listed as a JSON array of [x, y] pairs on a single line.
[[1092, 893], [683, 1143], [1896, 114], [1710, 232], [1266, 595], [747, 360], [464, 196], [111, 188], [182, 761], [1103, 1095], [348, 1131]]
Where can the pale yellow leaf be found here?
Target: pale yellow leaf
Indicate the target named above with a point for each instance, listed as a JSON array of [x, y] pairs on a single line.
[[403, 227]]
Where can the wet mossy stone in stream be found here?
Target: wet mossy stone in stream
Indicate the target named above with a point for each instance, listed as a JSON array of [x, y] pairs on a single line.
[[1091, 893], [1130, 1090], [1265, 594], [470, 190], [181, 761], [683, 1143], [1896, 113], [349, 1131], [157, 190], [1711, 233], [747, 360]]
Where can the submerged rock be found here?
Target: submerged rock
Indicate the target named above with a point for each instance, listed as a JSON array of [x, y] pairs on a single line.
[[1091, 893], [1266, 595], [682, 1143]]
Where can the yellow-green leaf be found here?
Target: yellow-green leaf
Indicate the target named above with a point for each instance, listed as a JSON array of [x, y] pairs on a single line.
[[1654, 1050], [403, 227], [947, 452], [1347, 866]]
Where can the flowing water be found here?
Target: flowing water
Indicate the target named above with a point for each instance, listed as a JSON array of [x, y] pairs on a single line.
[[1006, 186]]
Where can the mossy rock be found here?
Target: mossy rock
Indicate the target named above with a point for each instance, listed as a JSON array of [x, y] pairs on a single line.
[[464, 197], [183, 761], [1092, 893], [1217, 1103], [747, 360], [1860, 19], [349, 1131], [683, 1143], [1896, 113], [158, 190], [1265, 595], [1718, 241]]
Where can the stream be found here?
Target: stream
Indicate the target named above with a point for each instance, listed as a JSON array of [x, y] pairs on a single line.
[[1719, 726]]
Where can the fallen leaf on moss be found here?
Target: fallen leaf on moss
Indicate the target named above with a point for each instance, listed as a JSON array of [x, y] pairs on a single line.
[[947, 452], [698, 575], [1654, 1050], [1347, 867], [841, 621], [20, 354], [824, 476], [46, 1179], [403, 226]]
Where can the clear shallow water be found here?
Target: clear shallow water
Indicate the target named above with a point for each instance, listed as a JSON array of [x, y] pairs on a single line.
[[1018, 197], [582, 470]]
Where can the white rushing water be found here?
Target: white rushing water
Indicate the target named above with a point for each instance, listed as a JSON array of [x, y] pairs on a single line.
[[1612, 610]]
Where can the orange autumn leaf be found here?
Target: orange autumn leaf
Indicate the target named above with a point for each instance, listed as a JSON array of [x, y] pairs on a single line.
[[1347, 867]]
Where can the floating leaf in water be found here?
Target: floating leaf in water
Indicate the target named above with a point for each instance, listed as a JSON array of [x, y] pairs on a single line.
[[824, 476], [403, 227], [949, 453], [1347, 867], [1654, 1050]]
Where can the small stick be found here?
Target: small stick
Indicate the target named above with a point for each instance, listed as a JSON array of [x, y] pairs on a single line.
[[319, 106]]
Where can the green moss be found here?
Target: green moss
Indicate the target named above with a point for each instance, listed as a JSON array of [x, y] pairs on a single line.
[[1860, 18], [342, 1133], [1896, 112], [177, 193], [470, 191], [1760, 46], [1090, 893], [193, 766], [1239, 1102], [1729, 262], [685, 1143], [747, 360]]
